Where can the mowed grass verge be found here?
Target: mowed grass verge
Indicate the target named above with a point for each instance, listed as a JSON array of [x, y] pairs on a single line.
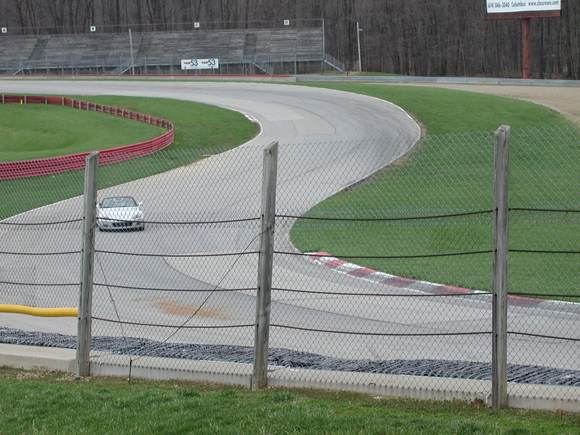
[[32, 131], [36, 402], [451, 171], [199, 130]]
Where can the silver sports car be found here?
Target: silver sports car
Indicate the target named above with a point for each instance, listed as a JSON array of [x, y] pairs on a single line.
[[120, 213]]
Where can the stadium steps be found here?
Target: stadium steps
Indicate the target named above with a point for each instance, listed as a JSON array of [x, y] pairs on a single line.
[[334, 63], [121, 69], [39, 49], [265, 67], [144, 46], [250, 41]]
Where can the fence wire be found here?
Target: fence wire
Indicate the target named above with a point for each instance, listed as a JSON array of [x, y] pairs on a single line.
[[361, 280], [172, 290], [544, 236], [382, 259], [40, 248]]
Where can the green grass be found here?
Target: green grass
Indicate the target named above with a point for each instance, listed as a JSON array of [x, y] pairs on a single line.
[[199, 130], [451, 171], [35, 131], [450, 111], [33, 402], [197, 126]]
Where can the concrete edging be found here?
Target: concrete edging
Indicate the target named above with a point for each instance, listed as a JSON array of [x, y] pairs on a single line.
[[528, 396]]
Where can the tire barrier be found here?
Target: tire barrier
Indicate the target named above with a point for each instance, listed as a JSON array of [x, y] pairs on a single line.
[[54, 165]]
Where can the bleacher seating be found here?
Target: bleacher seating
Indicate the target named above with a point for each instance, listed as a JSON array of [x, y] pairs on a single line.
[[111, 51], [15, 50], [223, 44]]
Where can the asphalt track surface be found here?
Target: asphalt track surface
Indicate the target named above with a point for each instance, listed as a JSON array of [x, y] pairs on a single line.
[[329, 140]]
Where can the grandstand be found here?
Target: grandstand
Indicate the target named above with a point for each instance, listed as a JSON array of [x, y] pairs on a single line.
[[274, 50]]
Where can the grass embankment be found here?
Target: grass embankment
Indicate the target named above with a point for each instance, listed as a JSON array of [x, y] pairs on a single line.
[[451, 171], [199, 130], [36, 130], [32, 402]]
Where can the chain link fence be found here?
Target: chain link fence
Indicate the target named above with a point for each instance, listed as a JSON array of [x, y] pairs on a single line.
[[171, 291], [544, 255], [40, 250], [382, 264]]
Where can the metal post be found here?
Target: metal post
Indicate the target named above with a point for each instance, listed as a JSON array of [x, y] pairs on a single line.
[[526, 66], [296, 64], [323, 37], [131, 53], [358, 30], [500, 270], [265, 264], [87, 266], [323, 47]]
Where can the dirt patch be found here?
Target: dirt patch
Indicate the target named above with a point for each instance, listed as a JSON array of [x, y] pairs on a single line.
[[37, 374], [179, 309], [33, 374]]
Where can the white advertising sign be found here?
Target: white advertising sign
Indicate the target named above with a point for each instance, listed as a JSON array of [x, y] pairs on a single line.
[[509, 6], [200, 63]]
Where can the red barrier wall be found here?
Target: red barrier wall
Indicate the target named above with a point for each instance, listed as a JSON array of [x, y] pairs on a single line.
[[55, 165]]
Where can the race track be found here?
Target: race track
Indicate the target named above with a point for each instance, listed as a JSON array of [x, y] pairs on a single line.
[[329, 140]]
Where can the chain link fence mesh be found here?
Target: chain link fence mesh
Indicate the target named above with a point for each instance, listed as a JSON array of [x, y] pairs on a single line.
[[171, 291], [40, 249], [362, 280], [382, 263], [544, 257]]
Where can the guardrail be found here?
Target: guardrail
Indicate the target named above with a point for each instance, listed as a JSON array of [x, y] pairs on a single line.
[[54, 165], [435, 80]]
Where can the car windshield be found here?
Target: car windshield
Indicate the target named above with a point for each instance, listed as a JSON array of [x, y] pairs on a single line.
[[124, 201]]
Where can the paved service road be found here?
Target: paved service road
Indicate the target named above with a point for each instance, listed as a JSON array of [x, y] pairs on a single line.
[[329, 140]]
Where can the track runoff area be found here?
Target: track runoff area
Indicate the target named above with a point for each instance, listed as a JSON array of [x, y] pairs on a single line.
[[296, 117]]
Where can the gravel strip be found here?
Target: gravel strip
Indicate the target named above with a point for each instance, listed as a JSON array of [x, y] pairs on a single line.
[[524, 374]]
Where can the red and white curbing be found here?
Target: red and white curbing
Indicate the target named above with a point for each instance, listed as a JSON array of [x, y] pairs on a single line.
[[341, 266]]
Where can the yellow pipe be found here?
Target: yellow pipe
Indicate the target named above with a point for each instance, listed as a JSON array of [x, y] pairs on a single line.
[[41, 312]]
